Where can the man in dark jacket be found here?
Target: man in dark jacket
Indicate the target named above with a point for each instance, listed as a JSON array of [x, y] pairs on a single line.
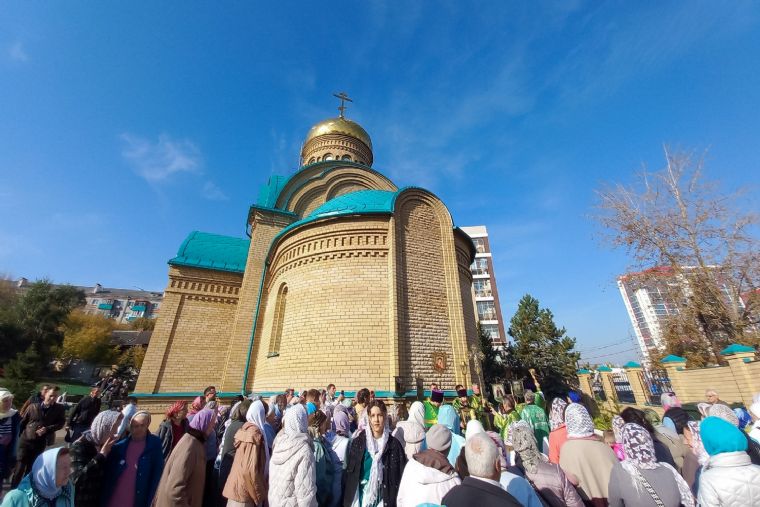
[[38, 426], [83, 414], [482, 487]]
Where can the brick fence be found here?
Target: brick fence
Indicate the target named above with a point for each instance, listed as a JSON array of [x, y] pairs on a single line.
[[736, 383]]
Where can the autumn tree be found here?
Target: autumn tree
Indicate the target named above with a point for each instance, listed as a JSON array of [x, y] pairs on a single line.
[[700, 239], [493, 370], [143, 324], [88, 337]]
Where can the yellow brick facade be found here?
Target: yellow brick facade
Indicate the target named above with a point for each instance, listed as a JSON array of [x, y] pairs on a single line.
[[357, 299]]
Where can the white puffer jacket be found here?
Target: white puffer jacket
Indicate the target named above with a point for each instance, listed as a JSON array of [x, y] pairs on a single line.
[[730, 479], [292, 475], [421, 484]]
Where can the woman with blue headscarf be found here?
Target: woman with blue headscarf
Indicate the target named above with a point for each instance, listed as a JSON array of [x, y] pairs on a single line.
[[47, 484], [448, 417]]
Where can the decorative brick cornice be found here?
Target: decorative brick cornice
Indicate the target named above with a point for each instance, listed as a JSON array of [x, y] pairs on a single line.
[[330, 245], [204, 288]]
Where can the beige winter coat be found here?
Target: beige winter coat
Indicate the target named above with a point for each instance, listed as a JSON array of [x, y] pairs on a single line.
[[246, 483], [184, 475]]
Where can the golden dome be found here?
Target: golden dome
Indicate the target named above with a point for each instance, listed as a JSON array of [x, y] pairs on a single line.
[[339, 125]]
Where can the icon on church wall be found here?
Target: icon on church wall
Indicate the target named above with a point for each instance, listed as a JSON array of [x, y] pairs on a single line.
[[439, 361]]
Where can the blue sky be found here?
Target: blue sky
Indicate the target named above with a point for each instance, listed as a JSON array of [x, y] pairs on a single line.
[[123, 126]]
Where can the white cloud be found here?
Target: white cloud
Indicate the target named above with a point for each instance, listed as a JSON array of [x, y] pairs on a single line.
[[16, 52], [213, 192], [159, 161]]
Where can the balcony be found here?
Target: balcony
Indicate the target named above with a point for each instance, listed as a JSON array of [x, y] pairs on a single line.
[[486, 293], [105, 306], [487, 315]]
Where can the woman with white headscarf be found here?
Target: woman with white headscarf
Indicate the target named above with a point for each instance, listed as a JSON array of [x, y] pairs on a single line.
[[547, 478], [411, 433], [292, 475], [47, 484], [10, 420], [557, 428], [246, 484], [88, 457], [375, 463], [640, 480], [697, 458], [586, 460]]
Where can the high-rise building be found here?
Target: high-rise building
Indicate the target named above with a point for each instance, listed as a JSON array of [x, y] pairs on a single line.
[[651, 298], [486, 295]]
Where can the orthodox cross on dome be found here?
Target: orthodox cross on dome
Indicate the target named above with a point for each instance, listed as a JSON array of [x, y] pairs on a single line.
[[343, 96]]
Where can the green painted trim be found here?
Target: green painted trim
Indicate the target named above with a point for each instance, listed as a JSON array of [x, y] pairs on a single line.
[[735, 348], [273, 210], [181, 395], [255, 322], [673, 359]]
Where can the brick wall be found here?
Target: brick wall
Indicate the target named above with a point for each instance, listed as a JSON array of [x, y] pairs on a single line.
[[335, 323]]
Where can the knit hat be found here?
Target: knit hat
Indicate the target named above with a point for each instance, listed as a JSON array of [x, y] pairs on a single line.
[[719, 436], [462, 393], [439, 438], [436, 396]]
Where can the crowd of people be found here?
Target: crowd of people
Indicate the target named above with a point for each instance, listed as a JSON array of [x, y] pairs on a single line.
[[319, 448]]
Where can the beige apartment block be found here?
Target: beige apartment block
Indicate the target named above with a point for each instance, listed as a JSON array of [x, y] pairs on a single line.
[[344, 278]]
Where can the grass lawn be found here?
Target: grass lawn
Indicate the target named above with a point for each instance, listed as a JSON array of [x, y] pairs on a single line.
[[72, 389]]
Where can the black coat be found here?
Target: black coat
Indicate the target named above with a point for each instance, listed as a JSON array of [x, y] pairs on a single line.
[[84, 412], [479, 493], [166, 434], [88, 471], [52, 418], [393, 460]]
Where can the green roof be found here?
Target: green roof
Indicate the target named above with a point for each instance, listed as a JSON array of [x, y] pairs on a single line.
[[673, 359], [362, 201], [582, 371], [138, 308], [735, 349], [213, 251], [105, 306], [632, 364], [268, 193], [604, 368]]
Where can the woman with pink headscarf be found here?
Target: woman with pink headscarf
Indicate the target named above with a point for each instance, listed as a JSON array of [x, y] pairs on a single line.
[[184, 475]]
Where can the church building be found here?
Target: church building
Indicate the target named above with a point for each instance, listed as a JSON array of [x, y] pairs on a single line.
[[343, 278]]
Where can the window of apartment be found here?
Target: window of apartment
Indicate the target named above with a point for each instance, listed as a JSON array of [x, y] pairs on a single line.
[[482, 288], [480, 245], [480, 266], [486, 310], [346, 157], [279, 317], [491, 330]]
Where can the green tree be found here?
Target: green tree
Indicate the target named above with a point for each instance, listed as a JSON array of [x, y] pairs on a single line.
[[22, 372], [88, 337], [493, 370], [35, 316], [540, 345]]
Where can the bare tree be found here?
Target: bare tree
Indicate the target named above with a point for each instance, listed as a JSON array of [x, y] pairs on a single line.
[[703, 238]]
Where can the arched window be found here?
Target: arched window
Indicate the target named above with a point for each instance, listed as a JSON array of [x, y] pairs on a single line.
[[312, 160], [277, 322], [346, 157], [328, 156]]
